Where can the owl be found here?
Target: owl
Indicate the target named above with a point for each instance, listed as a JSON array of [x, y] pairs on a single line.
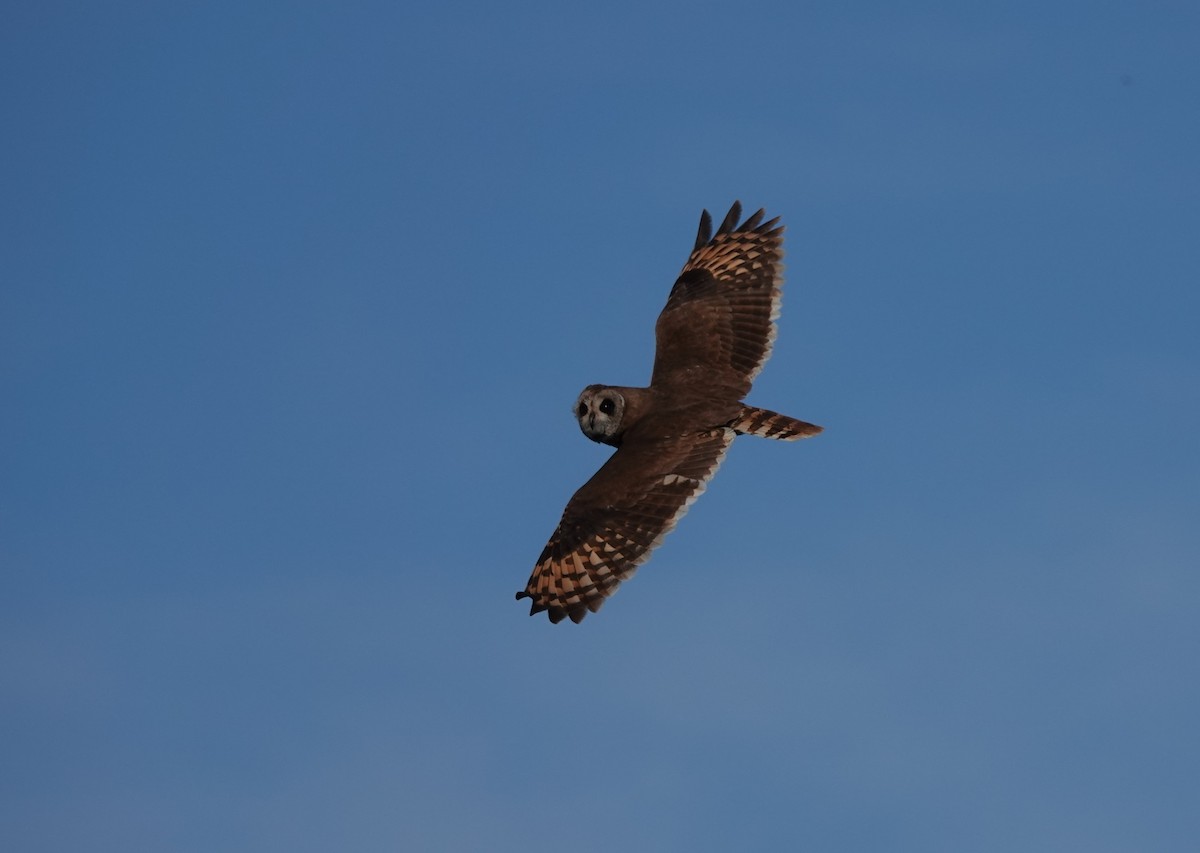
[[712, 339]]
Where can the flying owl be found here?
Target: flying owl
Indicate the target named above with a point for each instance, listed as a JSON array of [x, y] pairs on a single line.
[[713, 337]]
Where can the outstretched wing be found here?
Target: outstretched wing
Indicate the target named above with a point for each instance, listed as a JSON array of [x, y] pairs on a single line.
[[618, 517], [718, 325]]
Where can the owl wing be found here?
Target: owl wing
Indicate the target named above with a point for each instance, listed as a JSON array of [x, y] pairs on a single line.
[[618, 517], [718, 325]]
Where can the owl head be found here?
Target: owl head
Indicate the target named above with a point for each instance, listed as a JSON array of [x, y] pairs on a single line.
[[599, 411]]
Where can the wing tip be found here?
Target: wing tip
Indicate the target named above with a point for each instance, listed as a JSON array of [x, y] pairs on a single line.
[[556, 614], [733, 224], [730, 223], [704, 233]]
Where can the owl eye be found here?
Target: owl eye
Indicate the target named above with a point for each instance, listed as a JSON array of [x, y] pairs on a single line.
[[607, 407], [582, 409]]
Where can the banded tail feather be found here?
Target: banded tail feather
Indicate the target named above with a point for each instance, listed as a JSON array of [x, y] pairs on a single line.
[[768, 424]]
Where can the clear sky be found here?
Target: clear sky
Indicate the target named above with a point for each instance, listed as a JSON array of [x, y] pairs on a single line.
[[296, 299]]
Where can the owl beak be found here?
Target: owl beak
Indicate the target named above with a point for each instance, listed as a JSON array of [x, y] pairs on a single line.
[[591, 420]]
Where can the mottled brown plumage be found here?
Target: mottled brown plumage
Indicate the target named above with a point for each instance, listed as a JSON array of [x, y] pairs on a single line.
[[713, 337]]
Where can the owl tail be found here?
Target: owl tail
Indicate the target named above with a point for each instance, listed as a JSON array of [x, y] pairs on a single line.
[[768, 424]]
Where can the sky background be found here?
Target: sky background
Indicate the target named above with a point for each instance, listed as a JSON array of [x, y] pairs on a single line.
[[297, 297]]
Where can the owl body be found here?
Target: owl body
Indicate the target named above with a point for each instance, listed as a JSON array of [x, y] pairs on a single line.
[[713, 337], [647, 413]]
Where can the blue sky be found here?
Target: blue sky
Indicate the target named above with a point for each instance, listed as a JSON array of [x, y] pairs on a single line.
[[296, 300]]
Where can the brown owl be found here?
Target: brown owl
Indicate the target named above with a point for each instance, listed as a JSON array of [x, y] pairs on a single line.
[[713, 337]]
